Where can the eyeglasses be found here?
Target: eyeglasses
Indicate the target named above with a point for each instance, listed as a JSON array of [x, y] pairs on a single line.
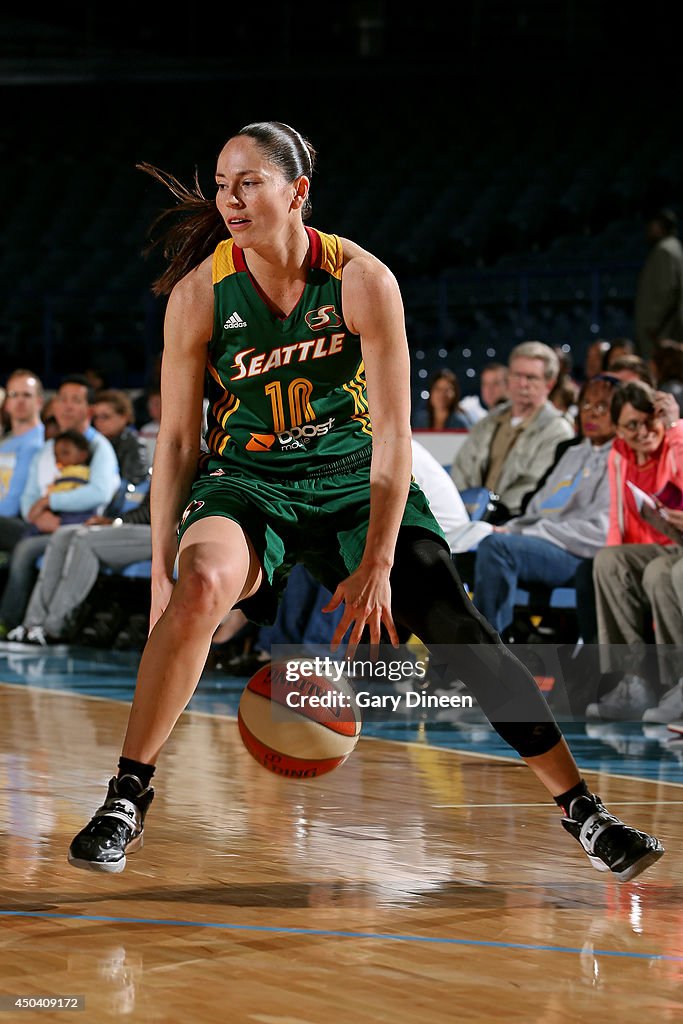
[[634, 427], [21, 394], [599, 408], [531, 378]]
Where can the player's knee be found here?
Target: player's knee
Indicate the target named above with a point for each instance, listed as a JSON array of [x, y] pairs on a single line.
[[205, 590]]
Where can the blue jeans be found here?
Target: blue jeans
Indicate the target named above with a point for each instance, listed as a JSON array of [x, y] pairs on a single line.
[[506, 560], [21, 576]]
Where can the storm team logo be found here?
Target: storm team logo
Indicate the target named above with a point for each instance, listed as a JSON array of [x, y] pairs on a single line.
[[325, 316]]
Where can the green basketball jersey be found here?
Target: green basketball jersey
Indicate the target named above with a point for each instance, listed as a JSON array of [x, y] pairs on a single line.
[[286, 395]]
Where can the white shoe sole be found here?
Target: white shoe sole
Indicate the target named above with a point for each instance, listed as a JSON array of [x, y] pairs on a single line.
[[640, 865]]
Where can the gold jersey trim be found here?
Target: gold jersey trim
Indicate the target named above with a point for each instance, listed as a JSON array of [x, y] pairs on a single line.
[[331, 254], [356, 388], [330, 257], [222, 264]]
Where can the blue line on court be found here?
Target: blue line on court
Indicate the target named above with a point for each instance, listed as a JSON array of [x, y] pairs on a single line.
[[323, 932]]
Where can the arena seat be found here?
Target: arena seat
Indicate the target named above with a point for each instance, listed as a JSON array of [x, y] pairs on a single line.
[[535, 596]]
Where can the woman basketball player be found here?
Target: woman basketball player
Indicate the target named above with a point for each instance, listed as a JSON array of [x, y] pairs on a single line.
[[299, 338]]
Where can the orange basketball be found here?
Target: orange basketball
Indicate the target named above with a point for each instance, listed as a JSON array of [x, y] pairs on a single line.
[[298, 723]]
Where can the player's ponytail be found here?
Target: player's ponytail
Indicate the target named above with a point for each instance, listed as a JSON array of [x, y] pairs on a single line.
[[196, 231]]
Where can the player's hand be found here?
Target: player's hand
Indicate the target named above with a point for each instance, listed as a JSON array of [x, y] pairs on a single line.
[[98, 521], [162, 588], [366, 595]]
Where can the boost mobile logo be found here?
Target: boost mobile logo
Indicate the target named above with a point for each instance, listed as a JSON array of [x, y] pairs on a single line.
[[299, 437], [295, 437]]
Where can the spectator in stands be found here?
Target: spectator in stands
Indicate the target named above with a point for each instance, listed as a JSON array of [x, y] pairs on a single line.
[[113, 417], [72, 455], [602, 355], [667, 369], [72, 409], [664, 588], [493, 391], [140, 402], [73, 560], [51, 427], [150, 429], [659, 293], [594, 361], [564, 522], [493, 385], [97, 378], [510, 449], [632, 367], [637, 561], [618, 348], [564, 396], [441, 410], [23, 402]]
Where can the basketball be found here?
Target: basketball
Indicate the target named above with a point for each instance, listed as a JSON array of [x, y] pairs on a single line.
[[297, 722]]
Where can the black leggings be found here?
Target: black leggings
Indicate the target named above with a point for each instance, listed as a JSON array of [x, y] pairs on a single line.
[[429, 600]]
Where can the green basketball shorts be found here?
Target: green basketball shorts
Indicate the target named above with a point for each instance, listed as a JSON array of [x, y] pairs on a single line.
[[319, 521]]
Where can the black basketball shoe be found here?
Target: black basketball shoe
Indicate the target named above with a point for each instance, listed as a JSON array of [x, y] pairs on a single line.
[[115, 829], [610, 844]]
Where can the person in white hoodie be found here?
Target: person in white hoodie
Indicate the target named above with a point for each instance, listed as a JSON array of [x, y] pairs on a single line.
[[565, 521]]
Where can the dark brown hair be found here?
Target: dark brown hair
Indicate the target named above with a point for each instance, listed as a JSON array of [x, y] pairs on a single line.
[[118, 400], [635, 363], [636, 392], [444, 374], [195, 227]]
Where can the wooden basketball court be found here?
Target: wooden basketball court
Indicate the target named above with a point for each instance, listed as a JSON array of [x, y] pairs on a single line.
[[412, 884]]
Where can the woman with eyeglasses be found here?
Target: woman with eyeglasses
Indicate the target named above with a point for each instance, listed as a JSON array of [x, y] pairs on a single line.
[[632, 574], [647, 452]]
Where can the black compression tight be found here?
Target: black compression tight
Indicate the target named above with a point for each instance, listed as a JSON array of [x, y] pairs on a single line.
[[429, 599]]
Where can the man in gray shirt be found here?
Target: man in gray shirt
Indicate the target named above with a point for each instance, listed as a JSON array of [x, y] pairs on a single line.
[[510, 449]]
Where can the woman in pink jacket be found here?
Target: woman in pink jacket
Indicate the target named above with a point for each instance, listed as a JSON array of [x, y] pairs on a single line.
[[647, 452], [635, 602]]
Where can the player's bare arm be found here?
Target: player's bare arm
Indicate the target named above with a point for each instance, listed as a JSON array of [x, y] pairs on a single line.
[[187, 330], [373, 309]]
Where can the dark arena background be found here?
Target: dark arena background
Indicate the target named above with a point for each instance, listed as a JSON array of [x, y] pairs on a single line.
[[502, 159]]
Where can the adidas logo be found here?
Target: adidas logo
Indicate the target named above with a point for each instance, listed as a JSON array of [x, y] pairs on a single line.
[[234, 321]]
